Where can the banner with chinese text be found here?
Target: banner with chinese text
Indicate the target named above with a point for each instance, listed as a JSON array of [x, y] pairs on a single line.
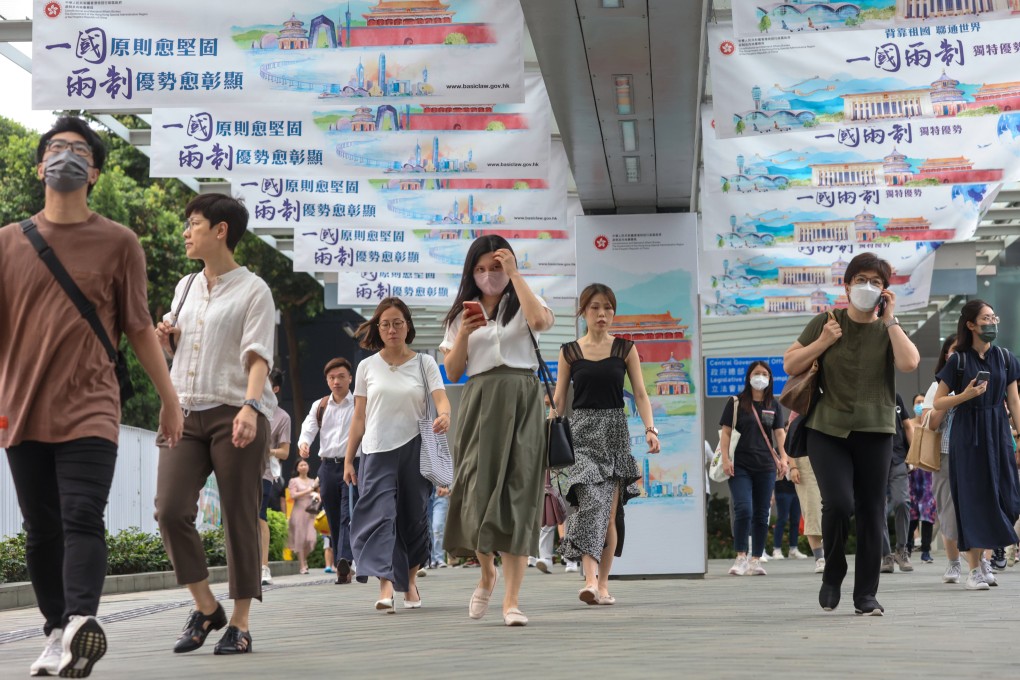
[[413, 140], [417, 288], [774, 84], [148, 54], [334, 249], [651, 263], [905, 17]]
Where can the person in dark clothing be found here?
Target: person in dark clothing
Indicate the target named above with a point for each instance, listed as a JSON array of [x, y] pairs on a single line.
[[982, 470], [898, 495]]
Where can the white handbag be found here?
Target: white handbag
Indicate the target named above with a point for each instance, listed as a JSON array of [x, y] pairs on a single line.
[[715, 470], [436, 463]]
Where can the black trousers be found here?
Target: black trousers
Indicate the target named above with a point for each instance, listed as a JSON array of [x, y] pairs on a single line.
[[852, 476], [331, 481], [348, 499], [62, 491]]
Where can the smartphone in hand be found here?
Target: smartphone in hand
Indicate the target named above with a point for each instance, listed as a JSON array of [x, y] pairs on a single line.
[[982, 377], [474, 308]]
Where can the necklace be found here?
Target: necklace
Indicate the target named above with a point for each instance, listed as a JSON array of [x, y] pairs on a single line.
[[395, 365]]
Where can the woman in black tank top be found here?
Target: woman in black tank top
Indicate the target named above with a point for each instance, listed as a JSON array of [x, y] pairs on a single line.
[[604, 475]]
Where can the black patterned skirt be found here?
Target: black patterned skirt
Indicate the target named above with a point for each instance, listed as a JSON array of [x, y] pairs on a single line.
[[603, 463]]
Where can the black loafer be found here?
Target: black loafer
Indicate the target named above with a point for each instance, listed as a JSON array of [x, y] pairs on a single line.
[[828, 597], [343, 571], [234, 641], [196, 631], [868, 606]]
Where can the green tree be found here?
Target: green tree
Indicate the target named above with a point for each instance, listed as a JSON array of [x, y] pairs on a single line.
[[456, 39], [521, 184], [21, 192], [496, 125], [741, 126], [765, 24]]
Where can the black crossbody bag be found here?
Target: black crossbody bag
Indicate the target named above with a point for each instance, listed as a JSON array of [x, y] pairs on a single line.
[[83, 306]]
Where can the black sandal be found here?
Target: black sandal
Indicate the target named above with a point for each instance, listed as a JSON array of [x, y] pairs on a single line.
[[234, 641], [196, 631]]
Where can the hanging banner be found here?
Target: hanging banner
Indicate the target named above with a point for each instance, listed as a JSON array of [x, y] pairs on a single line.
[[407, 140], [778, 84], [417, 288], [442, 251], [190, 52], [906, 17], [806, 280], [883, 154], [651, 263]]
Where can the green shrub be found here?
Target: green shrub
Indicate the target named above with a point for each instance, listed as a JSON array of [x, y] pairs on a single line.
[[277, 534], [133, 551], [12, 559]]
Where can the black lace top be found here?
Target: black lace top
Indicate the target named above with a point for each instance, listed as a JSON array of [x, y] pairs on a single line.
[[598, 384]]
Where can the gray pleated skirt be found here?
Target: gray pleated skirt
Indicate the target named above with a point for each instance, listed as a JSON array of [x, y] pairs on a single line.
[[499, 464]]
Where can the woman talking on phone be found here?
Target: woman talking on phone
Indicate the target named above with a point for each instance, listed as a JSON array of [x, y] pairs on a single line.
[[499, 449], [982, 471], [850, 429]]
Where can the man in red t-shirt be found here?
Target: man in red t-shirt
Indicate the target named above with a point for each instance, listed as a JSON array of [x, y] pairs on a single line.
[[59, 393]]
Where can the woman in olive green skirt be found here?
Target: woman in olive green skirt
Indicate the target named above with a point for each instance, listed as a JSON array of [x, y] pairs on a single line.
[[499, 448]]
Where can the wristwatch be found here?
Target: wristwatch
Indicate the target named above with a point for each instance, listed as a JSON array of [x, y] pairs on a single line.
[[654, 430], [894, 322], [254, 403]]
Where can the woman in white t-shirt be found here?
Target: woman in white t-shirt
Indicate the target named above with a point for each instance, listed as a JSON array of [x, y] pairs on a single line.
[[390, 533], [499, 450]]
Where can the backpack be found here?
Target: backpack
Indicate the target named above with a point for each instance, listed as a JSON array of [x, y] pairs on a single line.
[[321, 411]]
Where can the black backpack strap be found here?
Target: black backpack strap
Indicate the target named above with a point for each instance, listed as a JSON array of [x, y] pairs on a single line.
[[961, 364], [81, 303]]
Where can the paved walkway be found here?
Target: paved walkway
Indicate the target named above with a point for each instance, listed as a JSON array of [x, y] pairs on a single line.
[[719, 627]]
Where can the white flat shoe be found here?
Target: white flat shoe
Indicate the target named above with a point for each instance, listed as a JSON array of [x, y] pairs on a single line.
[[515, 617], [413, 605], [479, 603], [588, 595], [386, 605]]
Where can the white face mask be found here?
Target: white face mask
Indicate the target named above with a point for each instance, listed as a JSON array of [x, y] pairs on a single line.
[[759, 382], [492, 282], [864, 297]]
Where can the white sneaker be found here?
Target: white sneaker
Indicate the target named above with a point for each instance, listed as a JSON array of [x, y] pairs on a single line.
[[84, 643], [48, 662], [797, 554], [820, 565], [755, 568], [571, 568], [777, 554], [267, 577], [542, 565], [975, 581], [532, 561], [421, 573], [764, 557], [739, 567], [987, 574], [952, 574]]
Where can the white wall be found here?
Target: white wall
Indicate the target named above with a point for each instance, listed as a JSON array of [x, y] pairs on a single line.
[[131, 497]]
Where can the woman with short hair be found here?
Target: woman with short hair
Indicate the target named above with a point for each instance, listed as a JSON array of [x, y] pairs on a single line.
[[850, 428]]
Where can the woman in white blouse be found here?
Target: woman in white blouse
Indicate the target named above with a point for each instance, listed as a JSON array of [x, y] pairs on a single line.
[[223, 338], [390, 533], [499, 448]]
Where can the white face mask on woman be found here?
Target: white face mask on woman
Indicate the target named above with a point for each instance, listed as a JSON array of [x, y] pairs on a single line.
[[864, 297], [493, 282], [759, 382]]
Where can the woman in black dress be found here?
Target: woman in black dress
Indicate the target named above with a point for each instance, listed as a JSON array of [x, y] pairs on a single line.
[[982, 471], [604, 474]]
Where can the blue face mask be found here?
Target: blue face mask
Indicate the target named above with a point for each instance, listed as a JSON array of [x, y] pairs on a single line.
[[917, 410]]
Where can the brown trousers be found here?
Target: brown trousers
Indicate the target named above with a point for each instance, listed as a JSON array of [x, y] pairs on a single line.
[[206, 448]]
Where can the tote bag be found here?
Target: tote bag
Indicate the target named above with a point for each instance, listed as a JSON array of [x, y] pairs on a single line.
[[436, 462], [715, 470]]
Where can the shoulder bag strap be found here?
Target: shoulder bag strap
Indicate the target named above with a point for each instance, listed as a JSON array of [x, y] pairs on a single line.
[[736, 405], [961, 363], [321, 411], [81, 303], [543, 373], [430, 407], [177, 312], [768, 442]]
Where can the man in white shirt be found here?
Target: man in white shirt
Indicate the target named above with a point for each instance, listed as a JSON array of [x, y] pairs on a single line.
[[330, 418]]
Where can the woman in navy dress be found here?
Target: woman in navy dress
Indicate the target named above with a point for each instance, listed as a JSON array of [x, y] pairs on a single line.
[[982, 471]]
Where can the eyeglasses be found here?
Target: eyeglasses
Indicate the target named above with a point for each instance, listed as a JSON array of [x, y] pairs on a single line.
[[61, 145], [191, 224], [395, 325], [988, 319], [861, 280]]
